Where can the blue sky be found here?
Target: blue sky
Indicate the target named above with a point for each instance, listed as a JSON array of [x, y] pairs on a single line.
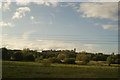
[[88, 27]]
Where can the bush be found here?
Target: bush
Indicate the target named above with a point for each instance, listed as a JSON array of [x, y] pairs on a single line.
[[80, 62], [46, 63], [29, 57], [5, 54], [109, 60], [38, 59], [83, 57], [117, 61], [17, 56], [54, 60], [69, 60], [61, 56], [84, 62], [93, 63]]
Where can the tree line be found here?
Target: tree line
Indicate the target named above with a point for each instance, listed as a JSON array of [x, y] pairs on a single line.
[[62, 56]]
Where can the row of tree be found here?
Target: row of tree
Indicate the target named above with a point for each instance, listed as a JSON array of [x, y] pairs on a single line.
[[64, 56]]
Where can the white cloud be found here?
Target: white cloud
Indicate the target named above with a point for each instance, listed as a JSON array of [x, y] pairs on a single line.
[[21, 42], [18, 42], [25, 42], [53, 2], [38, 2], [70, 4], [6, 5], [49, 3], [43, 21], [23, 9], [99, 10], [110, 27], [17, 15], [42, 3], [0, 5], [15, 42], [40, 44], [20, 12], [6, 24], [90, 47], [22, 2], [55, 44], [32, 17]]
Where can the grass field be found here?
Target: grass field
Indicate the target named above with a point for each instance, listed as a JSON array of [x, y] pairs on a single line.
[[15, 69]]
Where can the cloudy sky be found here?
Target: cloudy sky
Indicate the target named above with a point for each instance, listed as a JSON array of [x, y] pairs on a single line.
[[90, 27]]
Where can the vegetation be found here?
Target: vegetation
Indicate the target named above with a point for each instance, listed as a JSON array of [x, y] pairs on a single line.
[[85, 58], [58, 56], [17, 69], [69, 60], [46, 62], [109, 61], [28, 63]]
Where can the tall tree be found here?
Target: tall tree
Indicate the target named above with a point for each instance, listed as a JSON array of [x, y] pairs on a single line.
[[109, 60]]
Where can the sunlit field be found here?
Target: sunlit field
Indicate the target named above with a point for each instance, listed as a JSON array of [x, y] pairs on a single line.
[[16, 69]]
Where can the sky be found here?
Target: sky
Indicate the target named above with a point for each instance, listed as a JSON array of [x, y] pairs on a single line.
[[86, 26]]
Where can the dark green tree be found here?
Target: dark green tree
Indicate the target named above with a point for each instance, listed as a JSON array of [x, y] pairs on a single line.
[[61, 56], [5, 54], [69, 60], [109, 60], [17, 56], [83, 57], [29, 57]]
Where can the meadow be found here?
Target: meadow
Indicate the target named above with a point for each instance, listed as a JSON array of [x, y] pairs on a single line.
[[17, 69]]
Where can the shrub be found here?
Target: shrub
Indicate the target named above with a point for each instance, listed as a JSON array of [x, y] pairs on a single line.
[[109, 61], [61, 56], [29, 57], [17, 56], [93, 63], [54, 60], [117, 61], [5, 54], [84, 58], [46, 63], [38, 59], [69, 60]]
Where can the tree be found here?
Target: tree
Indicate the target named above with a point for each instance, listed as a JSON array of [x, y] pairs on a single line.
[[109, 60], [17, 56], [61, 56], [54, 60], [39, 59], [29, 57], [5, 54], [99, 57], [26, 51], [71, 55], [69, 60], [83, 57], [117, 59], [49, 54]]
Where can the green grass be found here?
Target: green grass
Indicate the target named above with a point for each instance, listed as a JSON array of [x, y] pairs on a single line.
[[15, 69]]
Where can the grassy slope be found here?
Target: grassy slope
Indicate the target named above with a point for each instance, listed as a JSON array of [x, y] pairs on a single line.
[[13, 69]]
